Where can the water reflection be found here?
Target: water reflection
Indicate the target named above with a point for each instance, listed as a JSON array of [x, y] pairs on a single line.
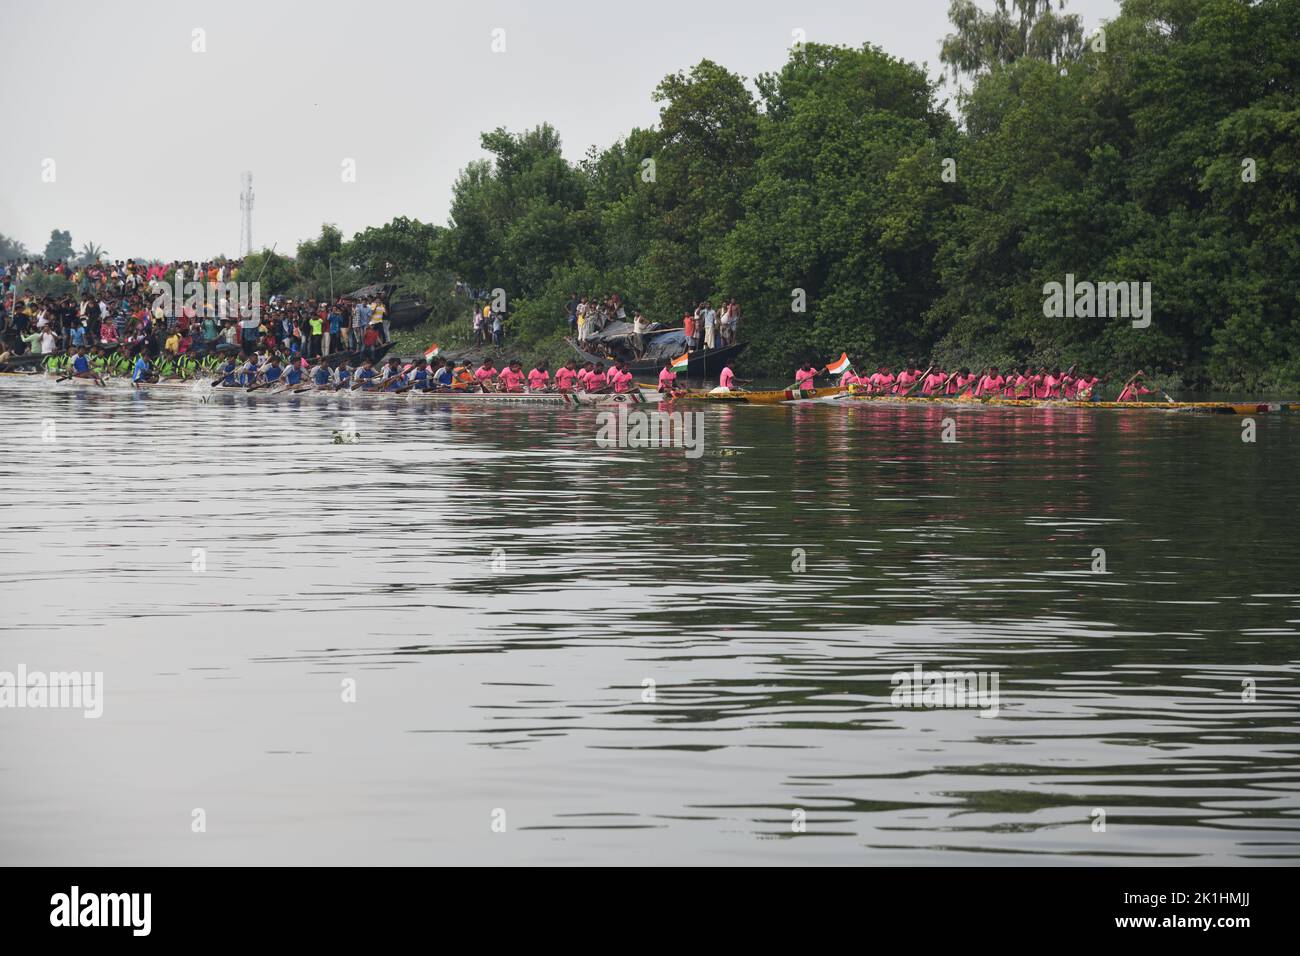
[[607, 641]]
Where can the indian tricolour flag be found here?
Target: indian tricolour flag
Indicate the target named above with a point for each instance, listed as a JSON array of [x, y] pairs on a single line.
[[682, 362], [431, 352], [841, 365]]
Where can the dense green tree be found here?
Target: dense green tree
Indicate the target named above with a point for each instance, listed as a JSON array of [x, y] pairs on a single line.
[[60, 245], [11, 249], [1011, 31]]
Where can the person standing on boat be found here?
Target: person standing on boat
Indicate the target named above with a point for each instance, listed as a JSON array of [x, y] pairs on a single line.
[[638, 334], [805, 377], [710, 327]]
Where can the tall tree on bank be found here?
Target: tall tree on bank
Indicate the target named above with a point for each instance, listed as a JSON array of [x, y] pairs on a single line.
[[60, 246], [1020, 29]]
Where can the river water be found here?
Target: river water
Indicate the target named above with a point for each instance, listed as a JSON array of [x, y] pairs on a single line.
[[477, 636]]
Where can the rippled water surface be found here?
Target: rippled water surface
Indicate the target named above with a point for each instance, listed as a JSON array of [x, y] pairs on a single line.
[[502, 591]]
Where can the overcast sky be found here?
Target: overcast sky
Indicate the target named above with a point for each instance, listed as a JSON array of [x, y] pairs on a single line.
[[148, 138]]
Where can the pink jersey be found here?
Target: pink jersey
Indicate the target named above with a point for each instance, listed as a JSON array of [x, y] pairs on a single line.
[[1046, 387], [537, 379], [564, 379], [933, 381], [484, 373], [512, 380], [667, 379], [727, 378], [805, 377], [903, 382], [1132, 391], [990, 385], [622, 380]]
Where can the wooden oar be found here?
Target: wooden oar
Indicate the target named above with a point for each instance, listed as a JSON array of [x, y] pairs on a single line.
[[919, 382], [1128, 383], [943, 386]]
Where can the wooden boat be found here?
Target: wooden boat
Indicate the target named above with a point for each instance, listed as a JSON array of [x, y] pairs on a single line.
[[773, 397], [1211, 408], [204, 388]]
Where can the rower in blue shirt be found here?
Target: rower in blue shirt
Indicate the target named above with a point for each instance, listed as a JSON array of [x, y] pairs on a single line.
[[365, 376], [320, 375], [228, 373], [417, 378], [141, 374], [445, 377], [81, 367], [394, 377], [344, 375], [293, 375]]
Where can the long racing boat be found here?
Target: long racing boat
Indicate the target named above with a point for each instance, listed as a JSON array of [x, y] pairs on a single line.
[[1226, 407]]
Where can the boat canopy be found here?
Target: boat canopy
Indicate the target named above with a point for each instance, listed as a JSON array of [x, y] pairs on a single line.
[[618, 333]]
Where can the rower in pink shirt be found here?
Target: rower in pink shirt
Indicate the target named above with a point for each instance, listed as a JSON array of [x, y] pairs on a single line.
[[805, 377], [990, 384], [727, 379], [904, 381], [1134, 390], [667, 378], [621, 378], [565, 376], [933, 382], [485, 373], [512, 377], [539, 378]]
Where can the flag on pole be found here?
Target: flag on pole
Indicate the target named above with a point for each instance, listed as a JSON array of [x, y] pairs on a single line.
[[841, 365], [431, 352], [682, 362]]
